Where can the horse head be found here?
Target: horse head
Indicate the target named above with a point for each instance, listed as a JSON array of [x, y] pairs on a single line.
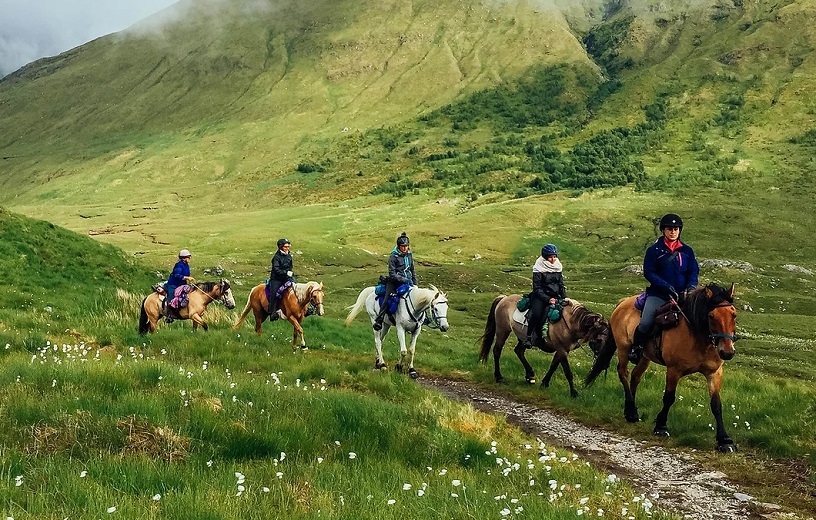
[[225, 294], [722, 319], [316, 296]]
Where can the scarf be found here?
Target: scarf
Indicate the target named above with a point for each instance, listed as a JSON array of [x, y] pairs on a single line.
[[543, 266]]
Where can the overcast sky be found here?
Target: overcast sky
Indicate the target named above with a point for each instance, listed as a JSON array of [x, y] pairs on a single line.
[[31, 29]]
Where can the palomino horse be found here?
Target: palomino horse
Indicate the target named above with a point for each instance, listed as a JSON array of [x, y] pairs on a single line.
[[294, 305], [409, 317], [577, 324], [701, 341], [201, 295]]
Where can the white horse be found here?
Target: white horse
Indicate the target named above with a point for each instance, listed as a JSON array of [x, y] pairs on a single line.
[[412, 312]]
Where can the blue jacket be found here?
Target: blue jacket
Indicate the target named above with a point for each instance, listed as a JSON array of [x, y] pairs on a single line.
[[180, 270], [667, 271], [401, 267]]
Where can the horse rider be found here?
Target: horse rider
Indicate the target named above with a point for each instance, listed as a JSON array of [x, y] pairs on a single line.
[[548, 288], [179, 276], [400, 272], [280, 274], [671, 268]]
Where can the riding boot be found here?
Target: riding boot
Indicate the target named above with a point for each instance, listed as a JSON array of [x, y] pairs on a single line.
[[638, 344], [532, 337], [274, 312]]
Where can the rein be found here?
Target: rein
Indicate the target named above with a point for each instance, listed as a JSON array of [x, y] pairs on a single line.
[[713, 336], [205, 293]]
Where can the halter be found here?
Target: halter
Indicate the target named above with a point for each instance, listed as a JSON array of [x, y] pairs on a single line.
[[712, 336], [312, 307]]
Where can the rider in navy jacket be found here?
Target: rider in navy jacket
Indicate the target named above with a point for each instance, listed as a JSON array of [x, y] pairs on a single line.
[[671, 268]]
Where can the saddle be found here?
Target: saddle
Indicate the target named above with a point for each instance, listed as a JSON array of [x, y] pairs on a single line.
[[393, 299], [278, 294]]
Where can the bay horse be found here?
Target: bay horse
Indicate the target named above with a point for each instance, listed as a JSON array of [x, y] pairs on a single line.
[[700, 343], [200, 295], [294, 305], [411, 314], [577, 325]]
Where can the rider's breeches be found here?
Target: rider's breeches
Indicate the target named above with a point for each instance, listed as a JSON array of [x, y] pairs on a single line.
[[648, 315]]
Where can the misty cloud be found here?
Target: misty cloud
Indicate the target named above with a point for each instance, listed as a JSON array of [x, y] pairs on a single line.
[[32, 29]]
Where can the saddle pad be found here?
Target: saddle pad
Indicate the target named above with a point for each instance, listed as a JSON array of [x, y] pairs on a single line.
[[520, 317]]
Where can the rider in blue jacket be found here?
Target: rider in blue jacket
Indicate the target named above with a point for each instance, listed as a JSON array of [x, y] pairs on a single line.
[[179, 276], [671, 268], [400, 272]]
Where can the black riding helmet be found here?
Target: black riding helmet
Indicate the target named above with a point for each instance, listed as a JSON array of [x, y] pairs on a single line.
[[671, 220], [283, 242], [402, 240]]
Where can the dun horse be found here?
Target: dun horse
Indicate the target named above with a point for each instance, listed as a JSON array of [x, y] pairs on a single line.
[[201, 295], [577, 324], [294, 304], [409, 317], [702, 340]]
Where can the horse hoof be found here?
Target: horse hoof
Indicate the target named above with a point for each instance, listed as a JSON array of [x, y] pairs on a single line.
[[574, 395], [379, 365], [727, 447], [501, 381], [304, 348], [398, 368], [531, 380], [413, 373], [632, 417], [661, 432]]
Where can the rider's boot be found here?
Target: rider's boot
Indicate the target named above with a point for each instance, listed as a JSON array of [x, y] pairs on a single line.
[[638, 344], [532, 337]]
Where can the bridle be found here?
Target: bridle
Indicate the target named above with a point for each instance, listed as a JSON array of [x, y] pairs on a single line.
[[432, 321]]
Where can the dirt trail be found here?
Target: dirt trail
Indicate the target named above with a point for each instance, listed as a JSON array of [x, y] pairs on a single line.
[[681, 484]]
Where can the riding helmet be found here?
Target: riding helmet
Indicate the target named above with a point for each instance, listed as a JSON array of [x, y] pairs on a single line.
[[184, 253], [283, 242], [402, 240], [671, 220], [549, 249]]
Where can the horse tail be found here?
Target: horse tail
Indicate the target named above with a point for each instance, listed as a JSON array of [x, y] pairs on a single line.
[[490, 329], [245, 312], [602, 359], [144, 322], [358, 305]]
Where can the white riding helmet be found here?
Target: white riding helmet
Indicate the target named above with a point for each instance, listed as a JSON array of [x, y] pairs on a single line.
[[184, 252]]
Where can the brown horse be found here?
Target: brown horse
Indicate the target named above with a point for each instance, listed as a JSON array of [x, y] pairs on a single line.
[[700, 343], [294, 305], [201, 295], [577, 324]]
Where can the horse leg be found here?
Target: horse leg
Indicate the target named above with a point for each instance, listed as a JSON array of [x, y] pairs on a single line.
[[298, 331], [561, 357], [259, 317], [725, 444], [669, 394], [379, 363], [529, 373], [630, 411], [403, 350], [198, 320], [501, 339], [411, 351]]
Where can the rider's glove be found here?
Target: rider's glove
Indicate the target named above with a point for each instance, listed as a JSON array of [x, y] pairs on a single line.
[[289, 274]]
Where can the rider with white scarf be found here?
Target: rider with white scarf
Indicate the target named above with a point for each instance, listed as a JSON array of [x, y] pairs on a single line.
[[548, 288]]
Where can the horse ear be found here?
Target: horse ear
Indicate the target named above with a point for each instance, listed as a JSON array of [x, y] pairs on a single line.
[[731, 292], [709, 292]]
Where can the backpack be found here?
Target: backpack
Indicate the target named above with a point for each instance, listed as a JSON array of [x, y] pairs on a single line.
[[524, 303]]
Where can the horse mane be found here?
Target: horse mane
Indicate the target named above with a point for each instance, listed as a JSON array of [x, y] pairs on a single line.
[[302, 290], [205, 286], [586, 318], [697, 304]]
